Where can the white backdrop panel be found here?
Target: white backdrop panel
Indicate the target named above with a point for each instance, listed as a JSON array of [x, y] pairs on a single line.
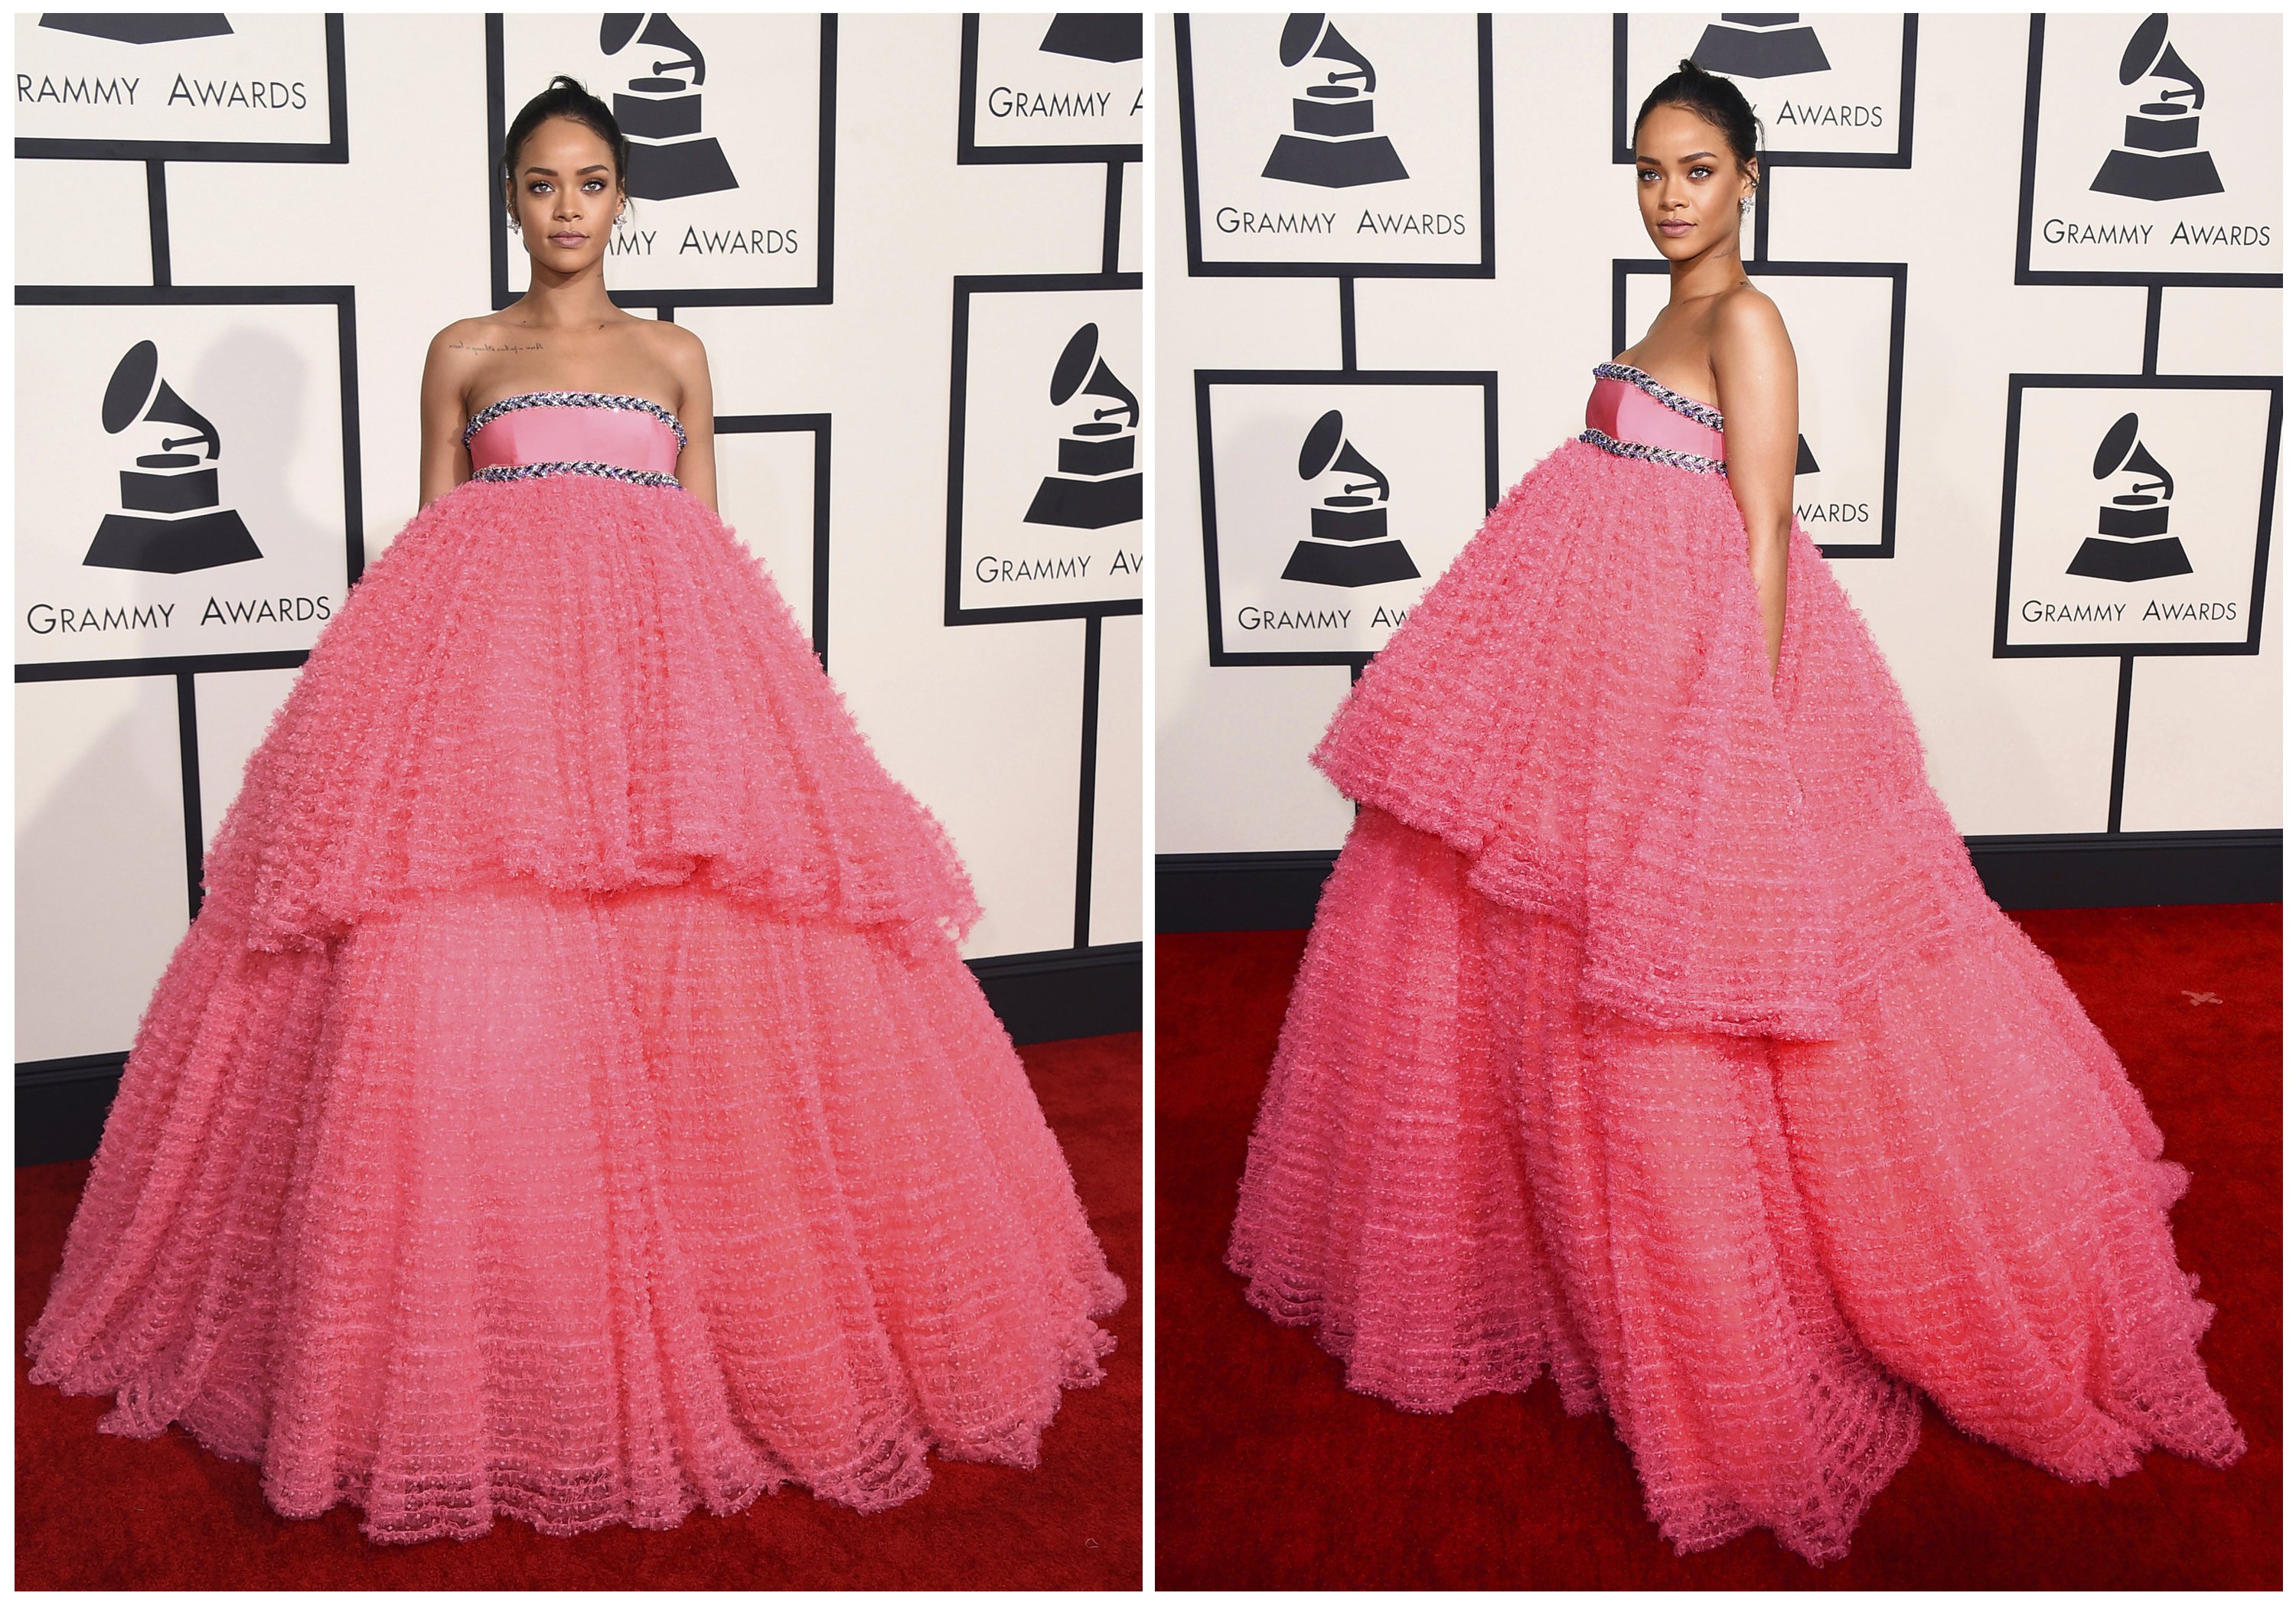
[[110, 223], [100, 900], [254, 560], [1115, 887], [233, 711]]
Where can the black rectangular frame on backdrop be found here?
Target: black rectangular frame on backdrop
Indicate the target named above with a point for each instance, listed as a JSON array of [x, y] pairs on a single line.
[[1205, 378], [821, 292], [816, 424], [335, 148], [1485, 266], [967, 286], [2019, 383], [971, 152], [955, 614], [2026, 273], [341, 299]]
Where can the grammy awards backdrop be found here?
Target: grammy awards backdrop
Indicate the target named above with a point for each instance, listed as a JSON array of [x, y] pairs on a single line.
[[911, 244], [2031, 266]]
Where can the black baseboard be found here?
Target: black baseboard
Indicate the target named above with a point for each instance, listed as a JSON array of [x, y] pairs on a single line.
[[61, 1105], [2129, 868], [1277, 891], [1239, 891], [1067, 993]]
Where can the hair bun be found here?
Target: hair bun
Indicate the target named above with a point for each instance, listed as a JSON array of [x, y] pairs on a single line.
[[1712, 96]]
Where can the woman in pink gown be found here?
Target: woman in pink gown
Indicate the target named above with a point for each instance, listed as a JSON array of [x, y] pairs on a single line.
[[570, 1103], [1655, 1028]]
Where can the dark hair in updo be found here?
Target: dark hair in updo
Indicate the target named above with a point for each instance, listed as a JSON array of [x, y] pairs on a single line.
[[1713, 97], [566, 97]]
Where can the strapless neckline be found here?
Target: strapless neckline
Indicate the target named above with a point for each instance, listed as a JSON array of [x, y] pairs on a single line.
[[606, 434], [574, 398], [1631, 415], [1689, 407]]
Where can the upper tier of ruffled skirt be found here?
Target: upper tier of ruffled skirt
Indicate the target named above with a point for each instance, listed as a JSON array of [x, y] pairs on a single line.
[[1582, 705], [584, 681]]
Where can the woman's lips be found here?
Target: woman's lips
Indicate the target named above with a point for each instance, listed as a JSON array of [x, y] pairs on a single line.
[[568, 239], [1675, 228]]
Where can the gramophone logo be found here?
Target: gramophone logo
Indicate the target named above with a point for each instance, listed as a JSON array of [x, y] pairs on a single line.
[[2160, 157], [1760, 44], [1332, 144], [1098, 482], [138, 27], [1346, 543], [1109, 37], [171, 519], [2132, 540], [661, 113]]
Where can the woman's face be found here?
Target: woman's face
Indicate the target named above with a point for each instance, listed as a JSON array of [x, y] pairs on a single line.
[[1687, 182], [567, 194]]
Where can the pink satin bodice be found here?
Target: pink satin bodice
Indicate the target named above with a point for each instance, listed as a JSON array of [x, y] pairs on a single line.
[[596, 430], [1648, 414], [1624, 412]]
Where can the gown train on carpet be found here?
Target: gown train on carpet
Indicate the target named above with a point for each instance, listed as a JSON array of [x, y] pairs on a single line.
[[1656, 1031]]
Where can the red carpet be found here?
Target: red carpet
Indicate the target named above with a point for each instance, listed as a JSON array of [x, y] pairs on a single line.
[[1270, 1475], [97, 1511]]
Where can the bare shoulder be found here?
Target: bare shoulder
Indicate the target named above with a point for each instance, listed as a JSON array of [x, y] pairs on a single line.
[[1754, 371], [680, 350], [676, 345], [1748, 330]]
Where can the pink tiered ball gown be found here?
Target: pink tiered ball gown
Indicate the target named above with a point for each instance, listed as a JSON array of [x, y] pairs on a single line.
[[1656, 1031], [570, 1103]]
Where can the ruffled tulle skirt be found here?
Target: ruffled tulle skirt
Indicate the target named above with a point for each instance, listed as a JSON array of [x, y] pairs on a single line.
[[1656, 1031], [570, 1103]]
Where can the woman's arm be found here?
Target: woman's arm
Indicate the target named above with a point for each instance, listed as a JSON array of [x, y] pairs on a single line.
[[1759, 390], [697, 464], [446, 372]]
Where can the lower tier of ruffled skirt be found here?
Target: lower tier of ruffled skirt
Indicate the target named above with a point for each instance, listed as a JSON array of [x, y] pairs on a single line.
[[577, 1208], [1755, 1254]]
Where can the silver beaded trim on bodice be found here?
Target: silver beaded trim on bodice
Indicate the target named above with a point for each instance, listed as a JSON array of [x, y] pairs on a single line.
[[1635, 448], [1689, 407], [609, 471], [573, 398]]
